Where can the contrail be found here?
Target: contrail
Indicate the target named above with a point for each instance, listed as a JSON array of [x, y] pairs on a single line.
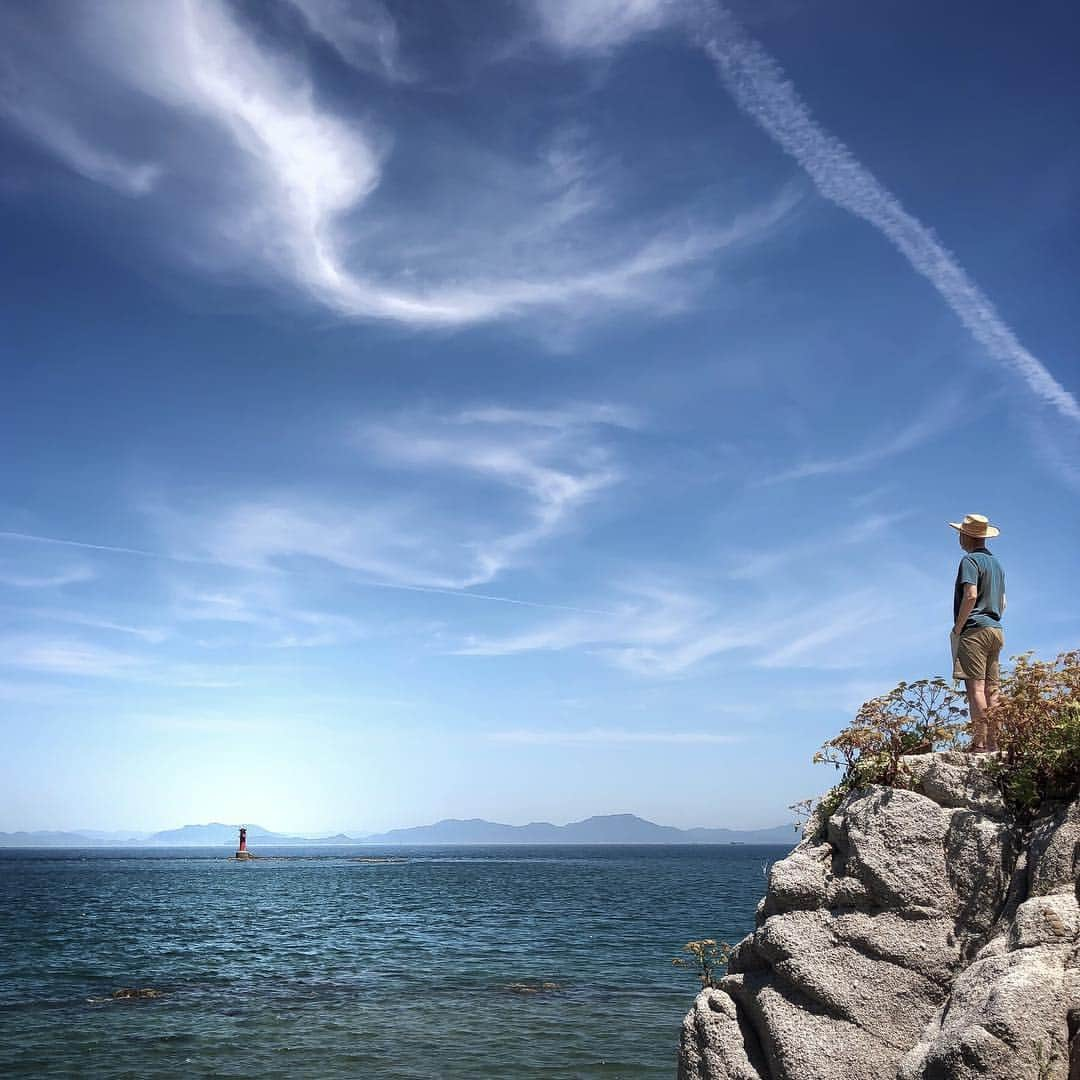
[[482, 596], [8, 535], [142, 553], [760, 88]]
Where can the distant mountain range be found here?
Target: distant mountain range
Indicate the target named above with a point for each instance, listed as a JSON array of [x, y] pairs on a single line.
[[603, 829], [214, 834]]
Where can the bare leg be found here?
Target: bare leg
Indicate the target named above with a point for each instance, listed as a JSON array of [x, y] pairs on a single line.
[[976, 696], [991, 722]]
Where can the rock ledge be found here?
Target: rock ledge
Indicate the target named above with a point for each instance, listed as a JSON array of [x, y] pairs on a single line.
[[917, 935]]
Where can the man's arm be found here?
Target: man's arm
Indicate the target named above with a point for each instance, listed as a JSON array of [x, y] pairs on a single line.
[[967, 604]]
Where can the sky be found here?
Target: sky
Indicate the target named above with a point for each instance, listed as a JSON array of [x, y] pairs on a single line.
[[522, 410]]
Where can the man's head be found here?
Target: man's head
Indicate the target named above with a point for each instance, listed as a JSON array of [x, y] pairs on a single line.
[[974, 531]]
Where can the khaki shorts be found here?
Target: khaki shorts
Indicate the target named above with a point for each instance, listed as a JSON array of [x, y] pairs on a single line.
[[975, 654]]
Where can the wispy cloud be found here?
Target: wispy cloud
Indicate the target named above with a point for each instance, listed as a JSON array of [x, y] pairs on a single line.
[[654, 630], [762, 90], [611, 736], [549, 458], [303, 166], [669, 632], [218, 605], [95, 162], [438, 503], [289, 197], [362, 32], [266, 614], [77, 657], [187, 524], [570, 416], [769, 562], [435, 504], [860, 611], [64, 656], [936, 418], [47, 100], [664, 632], [153, 634], [69, 575], [601, 25]]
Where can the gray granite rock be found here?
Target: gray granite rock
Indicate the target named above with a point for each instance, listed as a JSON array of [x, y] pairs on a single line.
[[717, 1042], [979, 859], [950, 781], [925, 937], [1046, 920], [929, 949], [806, 880], [1055, 851], [1004, 1012], [801, 881], [894, 842], [803, 1042], [882, 998]]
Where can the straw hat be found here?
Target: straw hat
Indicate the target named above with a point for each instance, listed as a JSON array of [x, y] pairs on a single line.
[[975, 525]]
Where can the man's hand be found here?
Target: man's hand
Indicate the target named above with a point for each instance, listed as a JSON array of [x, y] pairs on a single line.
[[967, 605]]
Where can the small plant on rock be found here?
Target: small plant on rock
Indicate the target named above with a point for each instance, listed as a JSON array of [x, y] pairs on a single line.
[[913, 718], [803, 811], [708, 956], [817, 812]]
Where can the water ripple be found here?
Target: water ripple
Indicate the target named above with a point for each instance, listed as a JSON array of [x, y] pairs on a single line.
[[456, 963]]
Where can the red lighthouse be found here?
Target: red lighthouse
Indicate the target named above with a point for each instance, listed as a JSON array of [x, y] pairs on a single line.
[[242, 851]]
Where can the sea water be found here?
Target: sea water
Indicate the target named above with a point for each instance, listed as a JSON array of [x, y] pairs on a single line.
[[493, 962]]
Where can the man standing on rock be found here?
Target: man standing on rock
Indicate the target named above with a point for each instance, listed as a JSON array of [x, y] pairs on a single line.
[[977, 637]]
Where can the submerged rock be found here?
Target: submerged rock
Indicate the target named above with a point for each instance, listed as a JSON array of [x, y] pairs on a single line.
[[915, 935], [532, 988], [144, 993]]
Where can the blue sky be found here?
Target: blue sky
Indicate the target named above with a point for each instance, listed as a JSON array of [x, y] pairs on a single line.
[[515, 410]]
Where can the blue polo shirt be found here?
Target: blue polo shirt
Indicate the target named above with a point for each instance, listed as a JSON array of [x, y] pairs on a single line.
[[981, 569]]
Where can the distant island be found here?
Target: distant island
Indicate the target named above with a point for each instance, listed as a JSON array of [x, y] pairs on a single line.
[[602, 829]]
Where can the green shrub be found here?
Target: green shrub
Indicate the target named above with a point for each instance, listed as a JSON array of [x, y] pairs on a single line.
[[913, 718], [1038, 722]]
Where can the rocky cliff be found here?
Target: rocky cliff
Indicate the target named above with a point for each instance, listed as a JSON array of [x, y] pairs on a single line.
[[916, 935]]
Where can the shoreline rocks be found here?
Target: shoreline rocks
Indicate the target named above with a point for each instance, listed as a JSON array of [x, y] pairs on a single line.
[[915, 935]]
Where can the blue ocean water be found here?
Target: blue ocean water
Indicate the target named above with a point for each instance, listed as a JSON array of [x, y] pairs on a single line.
[[326, 965]]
